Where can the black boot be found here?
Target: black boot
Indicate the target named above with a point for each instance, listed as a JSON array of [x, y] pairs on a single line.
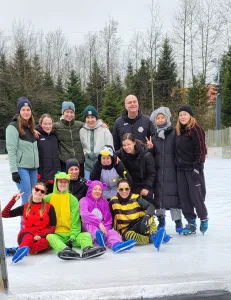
[[90, 252], [67, 254], [161, 221]]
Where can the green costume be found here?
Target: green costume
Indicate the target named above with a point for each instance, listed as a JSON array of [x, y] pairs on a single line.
[[68, 220]]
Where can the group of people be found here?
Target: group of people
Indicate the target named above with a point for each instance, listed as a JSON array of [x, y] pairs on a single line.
[[82, 185]]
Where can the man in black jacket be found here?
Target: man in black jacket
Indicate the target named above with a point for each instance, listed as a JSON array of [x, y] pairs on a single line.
[[78, 186], [132, 121]]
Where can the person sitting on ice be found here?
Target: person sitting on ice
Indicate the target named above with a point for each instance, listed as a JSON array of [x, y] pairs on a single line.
[[77, 186], [134, 217], [97, 219], [38, 220], [68, 229], [107, 170]]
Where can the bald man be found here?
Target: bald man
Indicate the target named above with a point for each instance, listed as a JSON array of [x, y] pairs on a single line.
[[132, 121]]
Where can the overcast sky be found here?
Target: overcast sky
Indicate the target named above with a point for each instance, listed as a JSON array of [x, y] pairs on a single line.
[[77, 17]]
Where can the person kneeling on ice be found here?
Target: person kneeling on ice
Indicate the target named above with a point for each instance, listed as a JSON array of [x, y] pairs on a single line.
[[68, 229], [134, 217], [97, 219], [38, 220]]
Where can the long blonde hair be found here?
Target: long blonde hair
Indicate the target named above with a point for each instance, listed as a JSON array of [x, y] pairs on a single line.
[[191, 123], [21, 123], [30, 202]]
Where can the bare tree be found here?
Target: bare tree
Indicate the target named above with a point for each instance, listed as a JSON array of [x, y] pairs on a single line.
[[135, 49]]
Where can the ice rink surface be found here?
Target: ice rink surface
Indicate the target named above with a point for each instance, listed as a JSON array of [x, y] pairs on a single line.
[[187, 264]]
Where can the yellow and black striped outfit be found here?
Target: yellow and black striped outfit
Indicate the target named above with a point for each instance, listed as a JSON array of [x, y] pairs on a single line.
[[127, 216]]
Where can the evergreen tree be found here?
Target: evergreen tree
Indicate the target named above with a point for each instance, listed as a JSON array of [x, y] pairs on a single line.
[[129, 80], [74, 93], [166, 76], [226, 89], [113, 103], [96, 86]]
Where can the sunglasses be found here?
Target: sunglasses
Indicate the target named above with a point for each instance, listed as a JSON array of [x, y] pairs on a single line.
[[39, 190], [123, 189]]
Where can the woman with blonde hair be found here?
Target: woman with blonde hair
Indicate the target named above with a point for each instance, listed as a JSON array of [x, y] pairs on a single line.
[[190, 157], [38, 220], [22, 149]]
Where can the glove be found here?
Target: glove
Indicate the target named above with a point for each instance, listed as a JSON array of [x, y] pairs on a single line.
[[70, 243], [144, 226], [195, 174], [16, 177]]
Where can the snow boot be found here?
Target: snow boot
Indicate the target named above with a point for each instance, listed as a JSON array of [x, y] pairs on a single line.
[[204, 226], [90, 252], [68, 254], [100, 238], [179, 226], [10, 251], [157, 238], [161, 221], [20, 254], [190, 228], [123, 246]]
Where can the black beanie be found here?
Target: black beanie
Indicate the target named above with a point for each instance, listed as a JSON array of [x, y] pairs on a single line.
[[71, 163], [186, 108], [23, 101]]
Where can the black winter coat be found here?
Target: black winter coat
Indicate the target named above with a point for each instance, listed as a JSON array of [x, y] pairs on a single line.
[[141, 167], [140, 127], [78, 188], [49, 163], [165, 186]]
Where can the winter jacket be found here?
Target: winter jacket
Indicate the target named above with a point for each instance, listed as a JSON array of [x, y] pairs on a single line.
[[165, 186], [22, 150], [140, 127], [94, 212], [33, 222], [78, 188], [190, 149], [69, 140], [49, 163], [127, 213], [92, 141], [66, 208]]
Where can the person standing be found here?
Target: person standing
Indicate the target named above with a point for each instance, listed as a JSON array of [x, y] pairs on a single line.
[[49, 163], [190, 157], [165, 186], [22, 149], [132, 121], [93, 137]]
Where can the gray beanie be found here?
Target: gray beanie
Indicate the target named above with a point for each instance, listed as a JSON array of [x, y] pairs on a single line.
[[67, 105]]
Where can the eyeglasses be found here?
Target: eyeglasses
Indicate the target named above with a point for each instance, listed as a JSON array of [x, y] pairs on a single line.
[[39, 190], [123, 189]]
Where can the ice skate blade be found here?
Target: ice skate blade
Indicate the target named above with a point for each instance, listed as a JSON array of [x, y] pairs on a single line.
[[125, 248], [70, 258], [96, 254]]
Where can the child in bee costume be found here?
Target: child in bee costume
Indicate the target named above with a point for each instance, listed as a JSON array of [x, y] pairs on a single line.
[[108, 171]]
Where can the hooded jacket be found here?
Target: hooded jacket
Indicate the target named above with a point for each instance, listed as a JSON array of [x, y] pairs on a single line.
[[22, 150], [66, 208], [69, 140], [93, 211], [49, 163], [140, 127], [92, 141], [141, 167]]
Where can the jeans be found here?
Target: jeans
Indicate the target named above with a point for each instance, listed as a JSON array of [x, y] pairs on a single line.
[[28, 180], [87, 174]]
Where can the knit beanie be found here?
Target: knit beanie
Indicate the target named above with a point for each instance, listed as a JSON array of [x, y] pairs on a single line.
[[23, 101], [67, 105], [72, 162], [90, 111], [186, 108]]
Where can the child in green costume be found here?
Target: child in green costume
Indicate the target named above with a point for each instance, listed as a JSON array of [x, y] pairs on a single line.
[[68, 229]]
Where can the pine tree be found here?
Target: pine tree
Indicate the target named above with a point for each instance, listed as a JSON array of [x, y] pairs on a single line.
[[96, 86], [166, 76], [74, 93], [129, 80]]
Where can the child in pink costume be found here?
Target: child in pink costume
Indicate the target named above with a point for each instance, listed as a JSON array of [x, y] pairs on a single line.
[[97, 219]]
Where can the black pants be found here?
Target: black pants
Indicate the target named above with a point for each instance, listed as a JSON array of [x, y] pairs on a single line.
[[192, 194], [63, 168]]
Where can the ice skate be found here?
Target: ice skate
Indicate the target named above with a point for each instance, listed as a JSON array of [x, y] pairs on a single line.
[[162, 222], [157, 238], [90, 252], [20, 254], [100, 238], [190, 228], [179, 226], [68, 254], [204, 226], [10, 251], [123, 246]]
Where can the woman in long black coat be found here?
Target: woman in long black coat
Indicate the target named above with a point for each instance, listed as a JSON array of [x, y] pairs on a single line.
[[165, 186]]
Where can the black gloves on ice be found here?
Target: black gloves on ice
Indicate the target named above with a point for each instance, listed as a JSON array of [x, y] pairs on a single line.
[[16, 177], [144, 224], [195, 174]]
